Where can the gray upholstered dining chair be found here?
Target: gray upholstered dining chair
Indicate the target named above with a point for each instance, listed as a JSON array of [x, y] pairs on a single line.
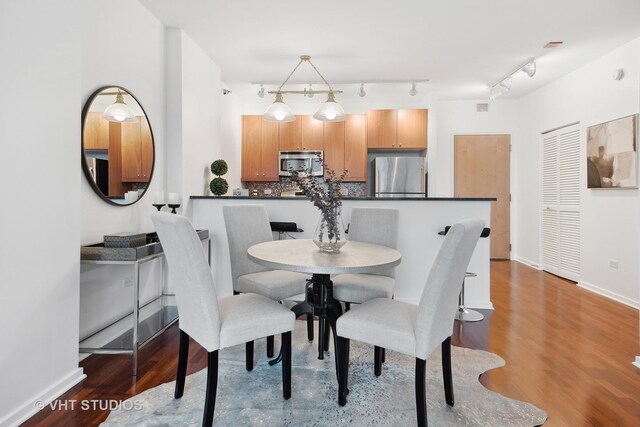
[[378, 226], [246, 226], [410, 329], [215, 324]]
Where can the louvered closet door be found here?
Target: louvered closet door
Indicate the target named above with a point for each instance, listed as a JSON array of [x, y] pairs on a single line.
[[561, 202], [550, 198]]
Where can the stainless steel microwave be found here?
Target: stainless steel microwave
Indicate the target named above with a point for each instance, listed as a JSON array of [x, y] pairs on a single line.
[[301, 161]]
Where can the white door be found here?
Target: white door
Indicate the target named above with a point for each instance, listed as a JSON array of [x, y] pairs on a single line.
[[561, 202]]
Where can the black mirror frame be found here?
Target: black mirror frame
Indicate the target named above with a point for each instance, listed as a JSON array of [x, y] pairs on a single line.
[[85, 167]]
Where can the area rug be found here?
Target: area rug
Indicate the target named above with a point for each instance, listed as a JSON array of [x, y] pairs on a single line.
[[255, 398]]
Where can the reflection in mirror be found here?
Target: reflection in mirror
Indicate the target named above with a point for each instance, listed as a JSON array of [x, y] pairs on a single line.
[[117, 146]]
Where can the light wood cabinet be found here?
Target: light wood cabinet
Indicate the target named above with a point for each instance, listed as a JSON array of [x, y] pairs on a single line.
[[260, 144], [96, 132], [290, 138], [412, 129], [312, 132], [345, 147], [355, 147], [397, 129], [136, 151]]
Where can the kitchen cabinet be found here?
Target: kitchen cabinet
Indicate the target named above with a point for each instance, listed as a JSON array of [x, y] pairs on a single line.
[[397, 129], [412, 129], [96, 132], [290, 137], [312, 132], [136, 151], [345, 147], [260, 144], [355, 147]]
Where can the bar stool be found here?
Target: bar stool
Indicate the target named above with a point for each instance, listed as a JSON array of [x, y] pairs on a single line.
[[463, 313]]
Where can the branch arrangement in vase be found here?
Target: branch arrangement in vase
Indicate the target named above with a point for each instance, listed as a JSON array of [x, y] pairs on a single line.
[[326, 195]]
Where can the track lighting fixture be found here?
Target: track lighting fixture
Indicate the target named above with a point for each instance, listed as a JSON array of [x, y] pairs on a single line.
[[504, 84], [309, 92], [413, 91], [261, 91], [361, 92]]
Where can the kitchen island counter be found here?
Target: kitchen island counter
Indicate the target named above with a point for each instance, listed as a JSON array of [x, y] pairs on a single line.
[[418, 238], [386, 199]]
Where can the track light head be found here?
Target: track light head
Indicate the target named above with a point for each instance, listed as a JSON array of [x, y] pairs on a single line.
[[361, 91], [506, 84], [413, 91], [530, 68], [261, 91]]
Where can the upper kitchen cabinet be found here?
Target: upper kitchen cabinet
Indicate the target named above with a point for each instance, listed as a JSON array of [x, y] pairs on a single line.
[[312, 131], [355, 147], [96, 132], [345, 147], [260, 145], [412, 129], [290, 138], [397, 129], [136, 151]]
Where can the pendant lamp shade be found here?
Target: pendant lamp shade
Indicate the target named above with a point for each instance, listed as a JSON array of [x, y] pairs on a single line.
[[119, 111], [279, 111], [330, 111]]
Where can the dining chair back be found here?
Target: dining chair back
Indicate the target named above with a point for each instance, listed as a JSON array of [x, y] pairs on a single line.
[[191, 275], [378, 226], [439, 300], [246, 226]]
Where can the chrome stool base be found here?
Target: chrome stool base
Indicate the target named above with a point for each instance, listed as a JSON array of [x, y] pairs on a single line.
[[464, 314]]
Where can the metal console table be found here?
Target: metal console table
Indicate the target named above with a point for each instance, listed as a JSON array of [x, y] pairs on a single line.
[[168, 314]]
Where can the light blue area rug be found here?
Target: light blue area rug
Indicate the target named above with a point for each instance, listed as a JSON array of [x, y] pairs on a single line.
[[255, 398]]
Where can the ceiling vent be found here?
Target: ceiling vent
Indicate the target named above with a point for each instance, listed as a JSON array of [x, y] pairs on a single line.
[[551, 45], [482, 108]]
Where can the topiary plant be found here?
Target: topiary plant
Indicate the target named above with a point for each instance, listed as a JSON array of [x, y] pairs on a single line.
[[219, 186]]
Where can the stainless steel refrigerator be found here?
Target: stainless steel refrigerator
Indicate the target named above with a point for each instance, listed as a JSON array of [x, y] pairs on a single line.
[[400, 176]]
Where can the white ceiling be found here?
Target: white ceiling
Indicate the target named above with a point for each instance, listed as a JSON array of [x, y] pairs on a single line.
[[461, 45]]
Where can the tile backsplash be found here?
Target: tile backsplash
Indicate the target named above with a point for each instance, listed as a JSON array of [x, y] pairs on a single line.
[[354, 189]]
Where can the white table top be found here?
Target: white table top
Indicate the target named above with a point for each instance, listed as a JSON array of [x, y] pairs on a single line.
[[302, 255]]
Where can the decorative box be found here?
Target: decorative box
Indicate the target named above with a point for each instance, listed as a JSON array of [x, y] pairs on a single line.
[[125, 240]]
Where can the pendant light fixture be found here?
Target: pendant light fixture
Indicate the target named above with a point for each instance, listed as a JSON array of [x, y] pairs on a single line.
[[330, 111], [119, 111]]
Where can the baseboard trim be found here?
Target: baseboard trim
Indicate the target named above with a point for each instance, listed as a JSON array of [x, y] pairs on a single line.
[[29, 409], [527, 262], [479, 305], [611, 295]]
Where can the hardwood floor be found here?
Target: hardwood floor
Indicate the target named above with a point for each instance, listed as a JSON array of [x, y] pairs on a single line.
[[567, 350]]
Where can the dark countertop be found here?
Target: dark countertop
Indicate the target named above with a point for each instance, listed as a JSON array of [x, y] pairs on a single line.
[[378, 199]]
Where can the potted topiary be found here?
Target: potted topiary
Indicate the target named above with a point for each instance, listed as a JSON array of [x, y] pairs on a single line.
[[218, 185]]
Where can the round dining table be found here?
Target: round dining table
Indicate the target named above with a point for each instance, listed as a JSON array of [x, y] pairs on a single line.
[[302, 255]]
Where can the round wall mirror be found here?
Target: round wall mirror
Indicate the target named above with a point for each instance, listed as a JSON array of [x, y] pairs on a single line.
[[118, 151]]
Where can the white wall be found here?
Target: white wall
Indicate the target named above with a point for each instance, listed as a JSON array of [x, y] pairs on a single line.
[[194, 116], [609, 217], [40, 177]]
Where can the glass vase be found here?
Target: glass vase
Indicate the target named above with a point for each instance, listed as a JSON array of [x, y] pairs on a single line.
[[329, 235]]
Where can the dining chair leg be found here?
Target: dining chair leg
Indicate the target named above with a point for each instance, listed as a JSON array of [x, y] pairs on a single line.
[[421, 398], [377, 360], [343, 360], [183, 356], [212, 386], [310, 327], [327, 332], [347, 306], [446, 371], [384, 355], [270, 340], [249, 355], [286, 365]]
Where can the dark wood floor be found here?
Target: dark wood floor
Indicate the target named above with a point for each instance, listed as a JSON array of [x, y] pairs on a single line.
[[567, 350]]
